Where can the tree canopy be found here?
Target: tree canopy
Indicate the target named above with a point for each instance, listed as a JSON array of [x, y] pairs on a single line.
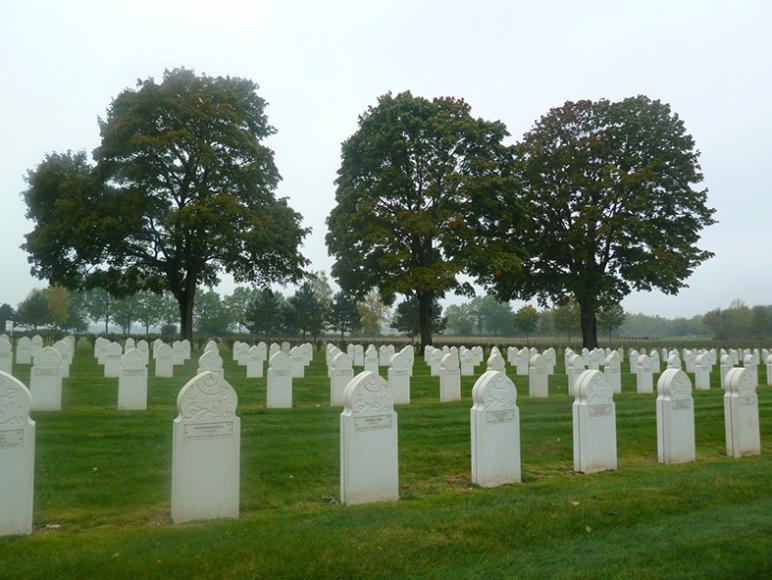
[[183, 189], [406, 319], [609, 206], [408, 179]]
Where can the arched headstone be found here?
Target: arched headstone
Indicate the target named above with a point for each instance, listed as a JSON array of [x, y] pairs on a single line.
[[594, 414], [164, 360], [675, 418], [6, 356], [210, 361], [46, 380], [495, 426], [450, 378], [368, 442], [399, 377], [341, 373], [17, 457], [254, 361], [741, 414], [279, 383], [538, 383], [205, 458], [132, 381]]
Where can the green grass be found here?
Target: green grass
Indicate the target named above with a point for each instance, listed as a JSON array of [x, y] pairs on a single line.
[[104, 478]]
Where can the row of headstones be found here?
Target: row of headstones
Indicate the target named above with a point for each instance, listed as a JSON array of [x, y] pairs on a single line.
[[27, 348], [254, 357], [110, 354], [340, 368], [206, 438]]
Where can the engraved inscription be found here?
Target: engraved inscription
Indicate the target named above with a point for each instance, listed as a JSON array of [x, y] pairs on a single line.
[[374, 423], [280, 372], [681, 404], [12, 439], [599, 410], [45, 372], [748, 401], [500, 416], [207, 431], [133, 372]]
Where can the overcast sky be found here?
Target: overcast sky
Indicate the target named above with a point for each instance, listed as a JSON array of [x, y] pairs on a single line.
[[320, 64]]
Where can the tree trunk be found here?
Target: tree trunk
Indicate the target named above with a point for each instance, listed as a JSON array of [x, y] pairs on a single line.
[[589, 325], [185, 301], [425, 318]]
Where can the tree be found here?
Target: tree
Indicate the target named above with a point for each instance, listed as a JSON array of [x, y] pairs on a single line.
[[716, 322], [526, 319], [99, 305], [183, 189], [372, 312], [461, 318], [343, 315], [33, 310], [265, 316], [494, 317], [125, 312], [761, 321], [152, 309], [565, 318], [211, 316], [6, 314], [608, 205], [238, 304], [406, 319], [59, 305], [306, 312], [407, 179], [610, 318]]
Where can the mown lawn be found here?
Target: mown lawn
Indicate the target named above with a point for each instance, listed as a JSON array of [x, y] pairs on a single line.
[[103, 482]]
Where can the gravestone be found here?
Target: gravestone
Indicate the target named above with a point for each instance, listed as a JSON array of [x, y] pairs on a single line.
[[673, 362], [37, 344], [538, 383], [612, 368], [144, 348], [724, 368], [371, 359], [574, 368], [467, 363], [23, 351], [399, 377], [341, 374], [279, 389], [450, 378], [675, 418], [297, 362], [273, 349], [6, 356], [594, 415], [645, 381], [633, 361], [46, 380], [496, 362], [741, 414], [434, 361], [178, 353], [210, 361], [522, 361], [164, 360], [113, 354], [495, 431], [17, 457], [368, 442], [750, 364], [285, 347], [132, 381], [359, 355], [205, 456], [769, 369], [255, 357], [65, 349], [702, 372]]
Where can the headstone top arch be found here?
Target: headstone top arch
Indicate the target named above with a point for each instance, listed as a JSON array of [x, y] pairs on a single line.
[[207, 396]]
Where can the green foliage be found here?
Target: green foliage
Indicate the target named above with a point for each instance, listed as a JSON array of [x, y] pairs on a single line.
[[59, 305], [494, 318], [611, 317], [124, 312], [526, 319], [152, 309], [406, 317], [609, 207], [183, 190], [407, 180], [306, 312], [372, 313], [6, 313], [739, 321], [33, 310], [211, 316], [100, 305], [265, 315], [238, 303], [343, 315], [461, 318]]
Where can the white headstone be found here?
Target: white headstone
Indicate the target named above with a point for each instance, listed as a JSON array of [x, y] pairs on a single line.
[[23, 351], [297, 362], [255, 358], [675, 418], [164, 360], [399, 377], [702, 372], [450, 378], [495, 426], [741, 414], [371, 359], [341, 373], [210, 361], [279, 389], [594, 414], [612, 368], [113, 354], [496, 362], [645, 380], [368, 442], [6, 356], [17, 457], [132, 381], [205, 457], [46, 380], [538, 385]]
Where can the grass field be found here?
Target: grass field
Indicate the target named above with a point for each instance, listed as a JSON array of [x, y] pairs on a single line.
[[103, 482]]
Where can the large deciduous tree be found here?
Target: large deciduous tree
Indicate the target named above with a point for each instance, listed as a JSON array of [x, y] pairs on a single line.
[[183, 189], [408, 179], [610, 204], [406, 319]]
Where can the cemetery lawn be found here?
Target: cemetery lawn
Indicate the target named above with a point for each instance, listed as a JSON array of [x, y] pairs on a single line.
[[103, 480]]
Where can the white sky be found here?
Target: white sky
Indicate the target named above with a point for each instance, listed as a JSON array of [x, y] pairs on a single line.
[[320, 64]]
